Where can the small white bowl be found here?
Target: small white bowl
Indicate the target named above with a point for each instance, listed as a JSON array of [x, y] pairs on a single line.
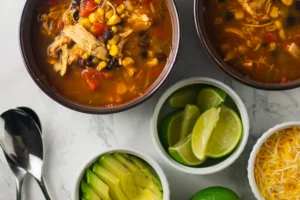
[[255, 150], [147, 159], [207, 169]]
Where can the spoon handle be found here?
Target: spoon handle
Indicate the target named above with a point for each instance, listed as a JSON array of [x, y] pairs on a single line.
[[19, 184], [44, 189]]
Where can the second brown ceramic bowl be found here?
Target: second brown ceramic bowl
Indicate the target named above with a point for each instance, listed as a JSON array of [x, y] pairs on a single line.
[[199, 9]]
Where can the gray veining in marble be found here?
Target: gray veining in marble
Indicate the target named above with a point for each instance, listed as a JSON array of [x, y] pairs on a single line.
[[71, 137]]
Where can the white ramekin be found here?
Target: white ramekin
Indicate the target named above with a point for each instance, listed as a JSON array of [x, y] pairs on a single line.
[[255, 150], [201, 170], [150, 161]]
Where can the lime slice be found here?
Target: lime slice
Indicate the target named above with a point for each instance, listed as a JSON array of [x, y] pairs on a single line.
[[182, 153], [215, 193], [169, 130], [226, 135], [202, 131], [209, 98], [190, 115], [182, 97]]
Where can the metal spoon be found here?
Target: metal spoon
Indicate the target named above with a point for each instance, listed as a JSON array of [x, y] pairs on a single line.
[[22, 142], [33, 115]]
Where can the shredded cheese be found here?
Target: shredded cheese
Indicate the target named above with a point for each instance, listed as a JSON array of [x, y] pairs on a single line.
[[277, 166]]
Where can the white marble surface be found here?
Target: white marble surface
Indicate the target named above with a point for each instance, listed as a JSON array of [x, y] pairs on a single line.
[[72, 137]]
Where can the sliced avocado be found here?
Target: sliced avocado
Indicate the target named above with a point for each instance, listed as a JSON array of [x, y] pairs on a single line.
[[97, 185], [113, 165], [148, 195], [111, 181], [146, 169], [126, 161], [88, 192], [130, 189]]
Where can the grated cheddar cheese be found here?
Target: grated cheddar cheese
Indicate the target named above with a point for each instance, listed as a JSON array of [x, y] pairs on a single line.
[[277, 166]]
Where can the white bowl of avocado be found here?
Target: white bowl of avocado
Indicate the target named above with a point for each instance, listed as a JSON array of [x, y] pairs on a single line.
[[121, 174]]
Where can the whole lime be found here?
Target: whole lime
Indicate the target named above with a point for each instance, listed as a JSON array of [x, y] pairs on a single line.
[[215, 193]]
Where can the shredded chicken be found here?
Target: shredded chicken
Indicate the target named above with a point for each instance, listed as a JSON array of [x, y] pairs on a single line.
[[86, 41], [74, 54], [255, 8], [64, 59], [68, 17], [57, 44], [139, 21]]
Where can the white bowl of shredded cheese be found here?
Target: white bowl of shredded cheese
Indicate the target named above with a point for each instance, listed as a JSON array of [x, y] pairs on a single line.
[[274, 164]]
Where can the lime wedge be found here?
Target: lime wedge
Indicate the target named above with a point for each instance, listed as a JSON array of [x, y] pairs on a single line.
[[209, 98], [215, 193], [190, 115], [182, 153], [226, 135], [169, 130], [202, 131], [182, 97]]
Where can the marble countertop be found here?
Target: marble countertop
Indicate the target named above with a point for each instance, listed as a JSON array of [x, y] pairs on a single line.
[[72, 137]]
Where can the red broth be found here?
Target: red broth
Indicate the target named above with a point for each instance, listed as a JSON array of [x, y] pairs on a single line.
[[115, 77]]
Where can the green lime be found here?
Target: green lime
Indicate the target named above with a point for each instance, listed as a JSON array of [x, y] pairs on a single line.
[[215, 193], [182, 153], [202, 131], [209, 98], [190, 115], [226, 135], [183, 97], [169, 130]]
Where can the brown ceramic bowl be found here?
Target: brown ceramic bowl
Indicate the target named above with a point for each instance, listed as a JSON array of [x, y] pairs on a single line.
[[40, 79], [199, 9]]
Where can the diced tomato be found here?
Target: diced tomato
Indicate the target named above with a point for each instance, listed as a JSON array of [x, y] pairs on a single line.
[[87, 7], [99, 28], [270, 37], [61, 25], [160, 32], [92, 78]]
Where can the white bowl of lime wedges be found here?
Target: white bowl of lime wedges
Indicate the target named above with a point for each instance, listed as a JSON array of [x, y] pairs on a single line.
[[200, 126], [121, 174]]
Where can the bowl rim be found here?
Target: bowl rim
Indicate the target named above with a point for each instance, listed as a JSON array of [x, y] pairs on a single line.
[[211, 52], [205, 170], [156, 167], [168, 69], [255, 150]]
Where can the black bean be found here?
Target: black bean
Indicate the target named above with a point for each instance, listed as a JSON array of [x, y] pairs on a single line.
[[161, 56], [142, 33], [144, 45], [144, 55], [113, 62], [297, 5], [81, 62], [290, 21], [229, 16], [76, 15], [108, 34]]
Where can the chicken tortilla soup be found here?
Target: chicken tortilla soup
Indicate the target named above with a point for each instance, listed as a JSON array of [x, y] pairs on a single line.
[[102, 53], [258, 38]]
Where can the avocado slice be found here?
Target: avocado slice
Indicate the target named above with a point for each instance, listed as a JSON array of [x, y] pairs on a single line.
[[130, 189], [140, 178], [148, 195], [111, 181], [88, 192], [113, 165], [147, 170], [97, 185]]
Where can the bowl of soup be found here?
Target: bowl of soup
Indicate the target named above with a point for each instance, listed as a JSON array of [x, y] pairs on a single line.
[[97, 56], [256, 42]]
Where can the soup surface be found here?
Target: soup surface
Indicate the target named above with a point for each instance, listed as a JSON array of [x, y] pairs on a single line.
[[258, 38], [102, 53]]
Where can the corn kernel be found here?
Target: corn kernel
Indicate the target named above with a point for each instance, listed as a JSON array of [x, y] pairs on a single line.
[[278, 24], [113, 50], [287, 2], [150, 54], [85, 23], [218, 21], [120, 9], [101, 65], [239, 15], [127, 61], [114, 29], [129, 5], [98, 1], [282, 34], [109, 14], [85, 56], [114, 40], [271, 28], [152, 62], [101, 11], [93, 18], [274, 12], [115, 19]]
